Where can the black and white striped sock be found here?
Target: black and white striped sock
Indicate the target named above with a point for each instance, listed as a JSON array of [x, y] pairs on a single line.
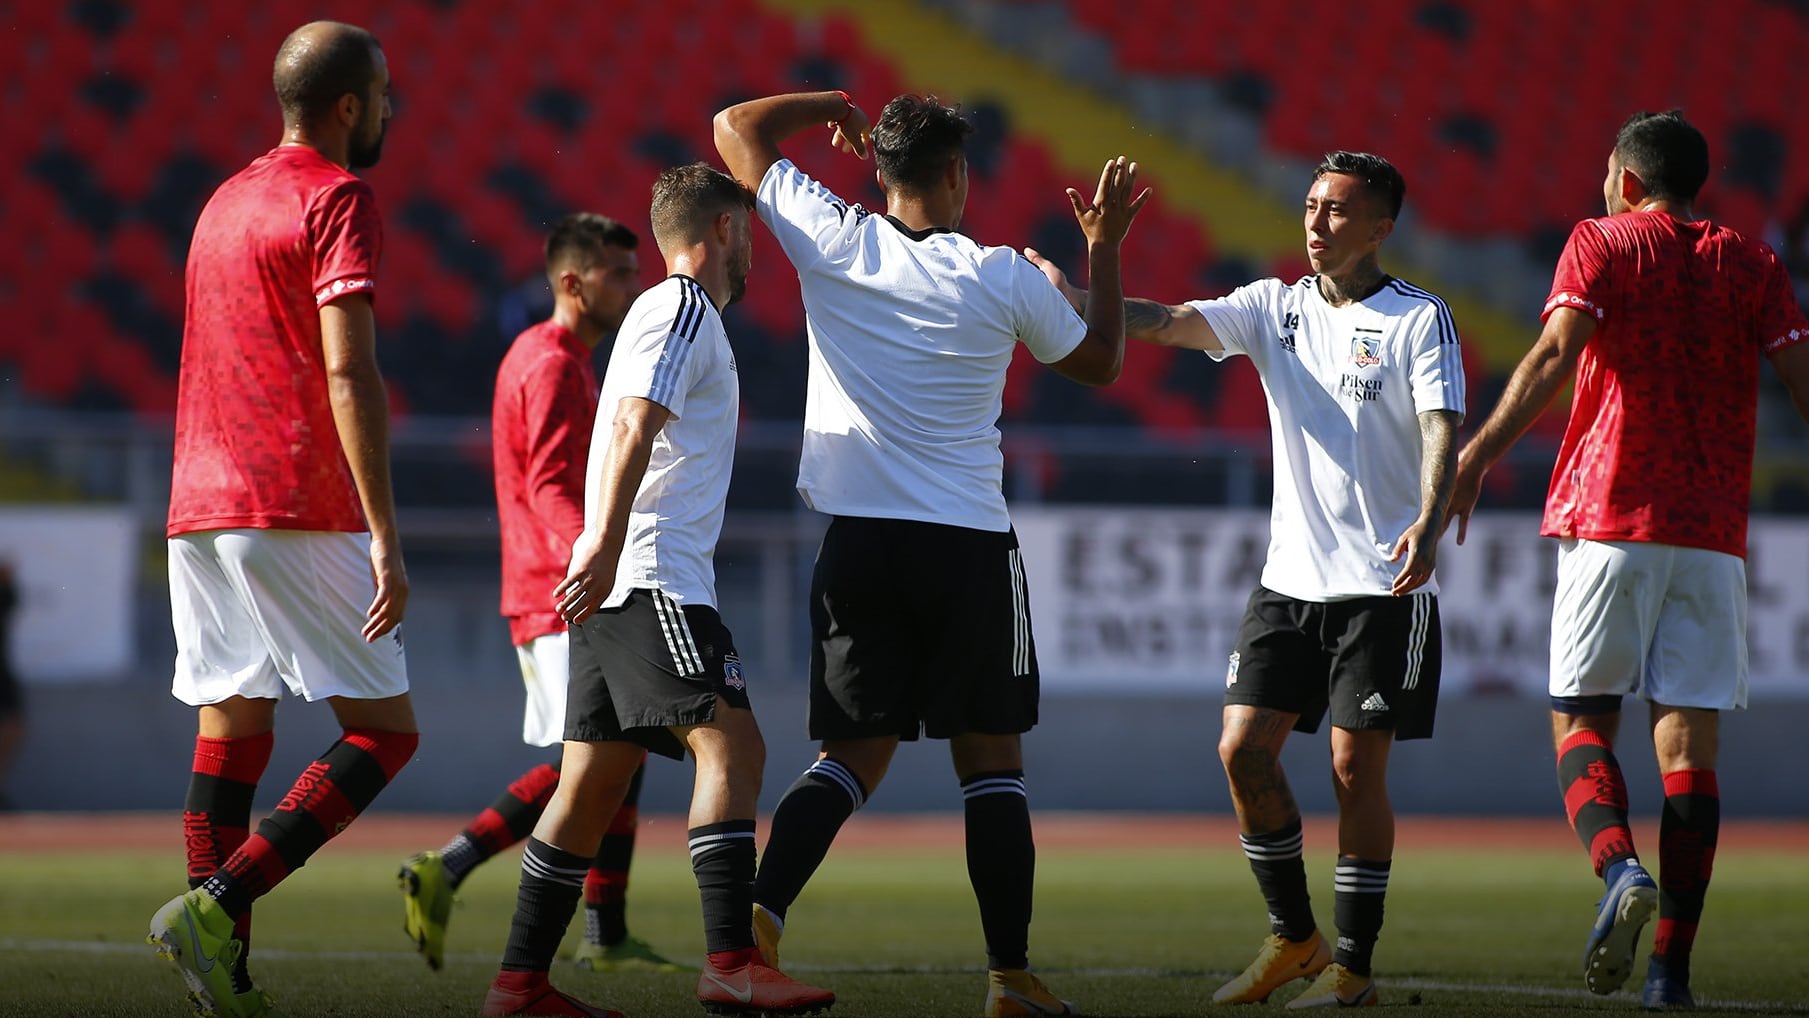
[[552, 880], [804, 825], [1361, 888], [1280, 871], [722, 858], [1001, 863]]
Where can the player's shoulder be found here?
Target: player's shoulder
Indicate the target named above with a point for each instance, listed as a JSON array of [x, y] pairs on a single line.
[[1409, 297], [1751, 247], [542, 341], [1273, 290], [678, 303]]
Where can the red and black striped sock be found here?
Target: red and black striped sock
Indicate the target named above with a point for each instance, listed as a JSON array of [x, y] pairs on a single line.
[[1687, 832], [504, 823], [606, 885], [330, 793], [216, 818], [1595, 798]]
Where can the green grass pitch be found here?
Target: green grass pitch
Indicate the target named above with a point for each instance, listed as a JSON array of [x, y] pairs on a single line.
[[1129, 932]]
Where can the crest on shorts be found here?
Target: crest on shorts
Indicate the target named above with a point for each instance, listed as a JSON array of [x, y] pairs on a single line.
[[1365, 351], [731, 673], [1231, 670]]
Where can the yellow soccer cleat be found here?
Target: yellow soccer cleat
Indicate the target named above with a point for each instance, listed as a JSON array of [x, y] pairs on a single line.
[[1337, 986], [426, 905], [767, 930], [195, 933], [1013, 993], [632, 954], [255, 1003], [1280, 962]]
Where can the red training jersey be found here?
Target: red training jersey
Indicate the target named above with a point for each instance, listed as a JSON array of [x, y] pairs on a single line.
[[540, 426], [256, 444], [1660, 441]]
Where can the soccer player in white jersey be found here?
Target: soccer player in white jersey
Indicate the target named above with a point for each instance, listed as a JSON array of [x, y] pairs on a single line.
[[1366, 389], [919, 617], [652, 665]]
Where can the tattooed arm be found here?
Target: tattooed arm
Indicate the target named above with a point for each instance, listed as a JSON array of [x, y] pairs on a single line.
[[1418, 547], [1152, 322]]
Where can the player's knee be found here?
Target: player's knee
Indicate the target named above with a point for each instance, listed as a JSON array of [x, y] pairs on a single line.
[[1245, 761]]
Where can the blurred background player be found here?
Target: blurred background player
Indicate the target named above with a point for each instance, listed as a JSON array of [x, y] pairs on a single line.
[[540, 430], [1366, 389], [285, 565], [919, 614], [652, 665], [12, 702], [1662, 318]]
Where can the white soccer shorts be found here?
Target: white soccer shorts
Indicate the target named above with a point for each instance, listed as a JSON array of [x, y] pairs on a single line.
[[257, 610], [1667, 624], [545, 672]]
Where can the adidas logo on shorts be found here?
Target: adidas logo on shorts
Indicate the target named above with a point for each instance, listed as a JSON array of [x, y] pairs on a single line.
[[1375, 702]]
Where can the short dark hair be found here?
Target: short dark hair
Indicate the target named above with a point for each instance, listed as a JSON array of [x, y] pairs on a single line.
[[320, 62], [1378, 175], [914, 139], [578, 240], [686, 199], [1666, 153]]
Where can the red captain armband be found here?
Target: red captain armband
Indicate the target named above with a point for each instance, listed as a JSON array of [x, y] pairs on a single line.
[[847, 100]]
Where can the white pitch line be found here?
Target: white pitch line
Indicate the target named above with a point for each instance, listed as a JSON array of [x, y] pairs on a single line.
[[391, 957]]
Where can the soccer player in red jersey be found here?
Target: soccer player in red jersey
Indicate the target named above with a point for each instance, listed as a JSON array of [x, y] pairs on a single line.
[[1662, 318], [285, 568], [540, 431]]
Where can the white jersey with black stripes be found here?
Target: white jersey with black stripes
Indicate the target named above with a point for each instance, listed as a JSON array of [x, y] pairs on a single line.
[[672, 350], [911, 333], [1346, 386]]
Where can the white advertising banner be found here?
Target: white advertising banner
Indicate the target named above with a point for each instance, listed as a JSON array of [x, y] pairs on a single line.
[[75, 568], [1151, 598]]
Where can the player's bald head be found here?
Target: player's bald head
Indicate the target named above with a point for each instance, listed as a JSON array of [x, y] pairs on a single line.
[[320, 62]]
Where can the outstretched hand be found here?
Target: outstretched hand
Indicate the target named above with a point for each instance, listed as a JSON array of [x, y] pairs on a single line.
[[853, 133], [1107, 218]]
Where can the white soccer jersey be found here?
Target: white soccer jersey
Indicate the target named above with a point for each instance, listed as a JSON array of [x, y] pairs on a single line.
[[910, 337], [672, 350], [1346, 386]]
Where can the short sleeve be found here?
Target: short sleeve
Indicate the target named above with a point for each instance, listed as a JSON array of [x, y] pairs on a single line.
[[661, 360], [348, 240], [1780, 317], [1583, 280], [804, 215], [1240, 318], [1437, 374], [1047, 324]]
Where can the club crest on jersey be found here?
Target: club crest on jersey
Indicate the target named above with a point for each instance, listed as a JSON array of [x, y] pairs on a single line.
[[1231, 669], [731, 673], [1365, 352]]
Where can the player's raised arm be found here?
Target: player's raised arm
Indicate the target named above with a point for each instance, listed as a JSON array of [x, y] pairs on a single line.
[[748, 134], [1104, 220]]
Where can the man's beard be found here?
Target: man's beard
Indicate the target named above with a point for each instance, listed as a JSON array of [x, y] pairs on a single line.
[[738, 272], [363, 158]]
